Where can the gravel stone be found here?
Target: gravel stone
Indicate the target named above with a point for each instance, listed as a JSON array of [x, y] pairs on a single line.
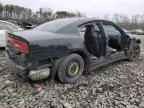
[[118, 85]]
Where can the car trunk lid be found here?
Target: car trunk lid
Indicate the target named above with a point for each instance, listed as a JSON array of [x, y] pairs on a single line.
[[40, 41], [36, 35]]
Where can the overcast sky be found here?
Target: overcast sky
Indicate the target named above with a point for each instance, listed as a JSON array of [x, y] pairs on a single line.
[[92, 8]]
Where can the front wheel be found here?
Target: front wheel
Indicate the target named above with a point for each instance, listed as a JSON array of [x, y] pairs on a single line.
[[71, 69], [135, 53]]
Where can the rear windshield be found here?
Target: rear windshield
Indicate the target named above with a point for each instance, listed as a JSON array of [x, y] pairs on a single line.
[[54, 26]]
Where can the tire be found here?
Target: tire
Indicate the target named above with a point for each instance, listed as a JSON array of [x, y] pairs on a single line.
[[71, 68], [55, 68], [135, 53]]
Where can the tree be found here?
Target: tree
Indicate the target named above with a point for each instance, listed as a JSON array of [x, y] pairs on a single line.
[[1, 9], [116, 18], [11, 9], [6, 9], [19, 13]]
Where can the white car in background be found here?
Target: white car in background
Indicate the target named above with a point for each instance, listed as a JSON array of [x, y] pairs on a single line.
[[6, 27]]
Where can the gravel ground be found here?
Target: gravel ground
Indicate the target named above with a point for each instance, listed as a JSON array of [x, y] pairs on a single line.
[[119, 85]]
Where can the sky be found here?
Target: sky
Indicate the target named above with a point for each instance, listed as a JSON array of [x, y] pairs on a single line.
[[92, 8]]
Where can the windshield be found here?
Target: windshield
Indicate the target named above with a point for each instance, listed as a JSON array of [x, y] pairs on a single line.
[[54, 26]]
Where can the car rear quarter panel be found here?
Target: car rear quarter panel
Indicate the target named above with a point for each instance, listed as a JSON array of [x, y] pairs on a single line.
[[54, 48]]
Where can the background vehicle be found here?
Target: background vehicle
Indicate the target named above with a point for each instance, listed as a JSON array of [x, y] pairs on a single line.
[[28, 25], [23, 24], [137, 32], [59, 47], [126, 31], [17, 23], [4, 28]]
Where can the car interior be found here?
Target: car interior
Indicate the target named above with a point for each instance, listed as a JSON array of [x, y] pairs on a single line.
[[94, 41], [113, 35]]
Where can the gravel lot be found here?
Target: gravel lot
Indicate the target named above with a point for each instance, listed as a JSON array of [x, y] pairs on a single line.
[[119, 85]]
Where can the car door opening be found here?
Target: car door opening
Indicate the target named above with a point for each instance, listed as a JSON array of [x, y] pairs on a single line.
[[93, 40], [113, 35]]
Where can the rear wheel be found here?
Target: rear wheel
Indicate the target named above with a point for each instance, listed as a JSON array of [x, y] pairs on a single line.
[[135, 52], [71, 69]]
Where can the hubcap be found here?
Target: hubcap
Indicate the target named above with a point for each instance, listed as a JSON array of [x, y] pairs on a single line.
[[72, 69]]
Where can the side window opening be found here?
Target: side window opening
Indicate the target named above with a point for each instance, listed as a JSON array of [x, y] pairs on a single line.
[[91, 33], [111, 31], [113, 35]]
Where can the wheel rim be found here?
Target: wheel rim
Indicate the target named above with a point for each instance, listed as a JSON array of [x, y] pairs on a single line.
[[72, 69]]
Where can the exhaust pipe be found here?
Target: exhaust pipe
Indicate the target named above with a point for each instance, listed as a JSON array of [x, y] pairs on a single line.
[[39, 74]]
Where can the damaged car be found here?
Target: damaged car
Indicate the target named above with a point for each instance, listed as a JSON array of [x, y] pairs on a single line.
[[68, 47]]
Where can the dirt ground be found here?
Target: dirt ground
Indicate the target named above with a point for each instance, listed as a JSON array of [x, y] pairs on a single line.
[[118, 85]]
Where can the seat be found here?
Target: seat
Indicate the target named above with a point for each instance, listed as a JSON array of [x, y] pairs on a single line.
[[115, 42], [88, 38], [92, 41]]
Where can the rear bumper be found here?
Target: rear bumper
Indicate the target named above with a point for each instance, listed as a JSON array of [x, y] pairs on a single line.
[[25, 62], [34, 75], [16, 69], [9, 61]]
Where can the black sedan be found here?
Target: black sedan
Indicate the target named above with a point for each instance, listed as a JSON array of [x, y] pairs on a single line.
[[68, 48]]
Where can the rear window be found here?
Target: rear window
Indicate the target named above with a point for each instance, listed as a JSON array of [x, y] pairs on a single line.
[[54, 26]]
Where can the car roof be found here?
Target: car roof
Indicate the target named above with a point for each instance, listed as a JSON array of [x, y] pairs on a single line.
[[65, 25], [82, 19], [73, 23]]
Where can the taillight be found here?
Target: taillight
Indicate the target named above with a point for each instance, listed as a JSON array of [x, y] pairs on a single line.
[[21, 46]]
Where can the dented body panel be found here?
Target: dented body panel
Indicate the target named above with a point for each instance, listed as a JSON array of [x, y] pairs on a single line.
[[47, 47]]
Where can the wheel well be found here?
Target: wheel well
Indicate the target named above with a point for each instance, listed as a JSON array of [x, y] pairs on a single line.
[[82, 54]]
